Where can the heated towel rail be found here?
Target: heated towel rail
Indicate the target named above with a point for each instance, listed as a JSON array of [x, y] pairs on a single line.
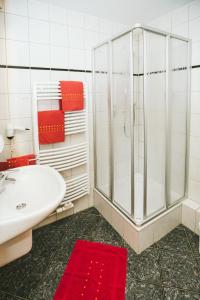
[[70, 158]]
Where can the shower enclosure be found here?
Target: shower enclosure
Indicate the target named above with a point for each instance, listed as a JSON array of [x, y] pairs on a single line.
[[141, 103]]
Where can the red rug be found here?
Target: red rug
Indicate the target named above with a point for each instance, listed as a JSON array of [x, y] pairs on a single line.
[[95, 271]]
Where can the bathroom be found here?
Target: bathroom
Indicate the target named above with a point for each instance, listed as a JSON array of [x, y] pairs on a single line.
[[99, 149]]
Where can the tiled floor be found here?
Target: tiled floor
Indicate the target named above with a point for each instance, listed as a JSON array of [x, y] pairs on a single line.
[[169, 269]]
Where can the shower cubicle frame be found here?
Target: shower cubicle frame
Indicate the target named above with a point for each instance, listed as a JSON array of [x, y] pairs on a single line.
[[110, 112]]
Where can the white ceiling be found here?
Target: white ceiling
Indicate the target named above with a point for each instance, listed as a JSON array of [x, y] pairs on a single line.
[[124, 11]]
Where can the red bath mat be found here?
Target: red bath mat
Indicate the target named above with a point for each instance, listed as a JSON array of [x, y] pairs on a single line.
[[95, 271]]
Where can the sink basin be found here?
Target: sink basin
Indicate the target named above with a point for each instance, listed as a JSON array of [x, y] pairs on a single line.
[[35, 193]]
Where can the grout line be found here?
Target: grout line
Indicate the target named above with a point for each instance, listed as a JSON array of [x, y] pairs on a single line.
[[81, 70], [44, 68], [195, 257], [14, 295], [167, 286]]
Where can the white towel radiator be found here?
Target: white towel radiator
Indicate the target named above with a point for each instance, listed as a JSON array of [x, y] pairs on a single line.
[[70, 158]]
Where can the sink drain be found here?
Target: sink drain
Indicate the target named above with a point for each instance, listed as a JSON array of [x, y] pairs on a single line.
[[21, 205]]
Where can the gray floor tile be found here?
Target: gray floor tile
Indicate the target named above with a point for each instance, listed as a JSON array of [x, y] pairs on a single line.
[[145, 266], [175, 240], [170, 262], [144, 291], [8, 296], [179, 270], [176, 294]]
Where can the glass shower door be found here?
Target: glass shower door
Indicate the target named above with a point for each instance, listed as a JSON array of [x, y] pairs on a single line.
[[177, 119], [102, 120], [155, 122], [122, 123]]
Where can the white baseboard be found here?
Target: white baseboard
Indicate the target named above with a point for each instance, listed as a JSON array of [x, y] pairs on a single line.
[[138, 237], [191, 215]]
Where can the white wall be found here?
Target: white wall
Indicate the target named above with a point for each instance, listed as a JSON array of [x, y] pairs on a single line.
[[186, 21], [40, 35], [36, 34]]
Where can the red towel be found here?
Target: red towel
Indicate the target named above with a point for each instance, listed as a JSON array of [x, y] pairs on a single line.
[[72, 95], [3, 166], [95, 271], [20, 161], [51, 126]]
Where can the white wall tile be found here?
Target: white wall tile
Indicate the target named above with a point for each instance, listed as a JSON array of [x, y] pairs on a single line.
[[60, 75], [81, 204], [106, 26], [3, 81], [88, 60], [195, 146], [163, 23], [92, 23], [23, 136], [194, 190], [76, 37], [146, 237], [17, 7], [2, 25], [4, 107], [3, 55], [59, 57], [3, 126], [180, 16], [39, 31], [38, 10], [194, 10], [42, 40], [76, 59], [181, 29], [194, 168], [117, 221], [18, 81], [17, 53], [39, 76], [22, 148], [20, 105], [168, 222], [195, 53], [194, 26], [194, 126], [131, 236], [58, 35], [75, 19], [57, 14], [195, 102], [195, 79], [188, 214], [39, 55], [91, 39], [16, 27]]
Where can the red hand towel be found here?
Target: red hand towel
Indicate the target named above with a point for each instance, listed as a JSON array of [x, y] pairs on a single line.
[[72, 95], [21, 161], [3, 166], [51, 126]]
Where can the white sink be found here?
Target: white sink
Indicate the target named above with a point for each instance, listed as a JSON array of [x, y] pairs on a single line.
[[35, 193]]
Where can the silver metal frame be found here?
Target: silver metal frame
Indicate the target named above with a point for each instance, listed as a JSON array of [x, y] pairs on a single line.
[[167, 121], [132, 126], [94, 121], [145, 129], [110, 103]]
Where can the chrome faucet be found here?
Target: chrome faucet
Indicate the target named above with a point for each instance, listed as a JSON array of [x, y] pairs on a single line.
[[4, 176]]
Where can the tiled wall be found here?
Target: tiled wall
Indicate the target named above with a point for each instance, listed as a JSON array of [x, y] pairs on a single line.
[[53, 44], [186, 21], [37, 34]]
